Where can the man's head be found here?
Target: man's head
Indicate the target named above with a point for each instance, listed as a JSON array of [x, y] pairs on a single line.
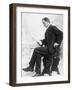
[[46, 22]]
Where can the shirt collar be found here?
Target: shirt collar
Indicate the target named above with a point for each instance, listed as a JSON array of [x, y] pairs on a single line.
[[48, 26]]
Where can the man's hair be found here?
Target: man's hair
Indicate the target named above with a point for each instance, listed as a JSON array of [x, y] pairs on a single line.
[[46, 19]]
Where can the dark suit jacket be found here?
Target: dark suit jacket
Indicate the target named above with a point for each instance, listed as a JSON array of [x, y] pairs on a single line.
[[52, 35]]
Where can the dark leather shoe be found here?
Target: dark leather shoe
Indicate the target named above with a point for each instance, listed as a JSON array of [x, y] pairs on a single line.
[[28, 69]]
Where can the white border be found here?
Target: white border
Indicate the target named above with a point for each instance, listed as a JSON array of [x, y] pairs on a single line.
[[18, 47]]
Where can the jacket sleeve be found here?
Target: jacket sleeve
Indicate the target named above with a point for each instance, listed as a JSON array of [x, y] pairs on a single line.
[[50, 42], [59, 34], [43, 42]]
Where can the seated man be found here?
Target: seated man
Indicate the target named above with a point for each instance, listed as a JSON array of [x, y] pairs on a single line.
[[52, 35]]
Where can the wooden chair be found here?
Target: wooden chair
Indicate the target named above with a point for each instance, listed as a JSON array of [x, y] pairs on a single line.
[[51, 64]]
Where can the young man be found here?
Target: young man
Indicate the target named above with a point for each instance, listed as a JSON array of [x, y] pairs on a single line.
[[53, 36]]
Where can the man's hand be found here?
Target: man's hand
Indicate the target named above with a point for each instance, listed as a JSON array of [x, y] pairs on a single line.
[[56, 44]]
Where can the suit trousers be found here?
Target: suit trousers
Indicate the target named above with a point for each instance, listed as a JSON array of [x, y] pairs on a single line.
[[36, 58]]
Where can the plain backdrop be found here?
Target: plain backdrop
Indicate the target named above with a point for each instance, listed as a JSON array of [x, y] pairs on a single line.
[[4, 45], [32, 31]]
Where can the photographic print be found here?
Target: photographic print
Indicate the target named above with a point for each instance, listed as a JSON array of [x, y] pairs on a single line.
[[35, 32], [39, 44]]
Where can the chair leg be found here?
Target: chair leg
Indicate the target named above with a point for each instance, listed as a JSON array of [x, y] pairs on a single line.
[[50, 74], [55, 64], [58, 71]]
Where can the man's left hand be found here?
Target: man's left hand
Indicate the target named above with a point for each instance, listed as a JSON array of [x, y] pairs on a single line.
[[56, 44]]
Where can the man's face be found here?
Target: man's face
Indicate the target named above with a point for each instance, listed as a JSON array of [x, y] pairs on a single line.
[[45, 23]]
